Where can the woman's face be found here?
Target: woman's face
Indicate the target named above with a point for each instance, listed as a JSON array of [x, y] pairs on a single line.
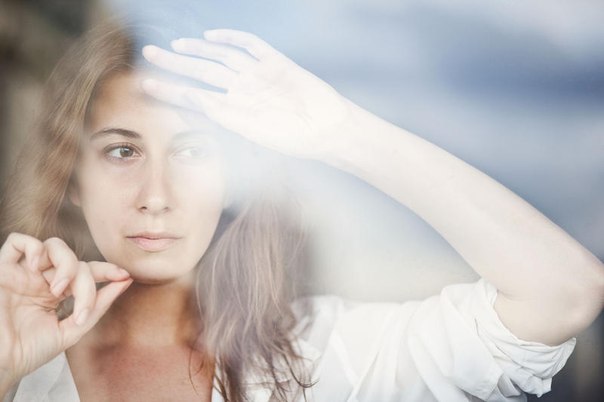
[[151, 188]]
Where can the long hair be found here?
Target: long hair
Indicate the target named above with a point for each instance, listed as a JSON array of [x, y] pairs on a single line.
[[245, 285]]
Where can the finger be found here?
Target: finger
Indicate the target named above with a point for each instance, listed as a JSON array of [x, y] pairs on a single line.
[[250, 42], [229, 56], [187, 97], [104, 271], [17, 246], [83, 289], [72, 332], [65, 263], [206, 71], [101, 272]]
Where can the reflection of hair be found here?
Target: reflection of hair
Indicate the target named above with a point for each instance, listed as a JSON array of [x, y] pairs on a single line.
[[243, 295]]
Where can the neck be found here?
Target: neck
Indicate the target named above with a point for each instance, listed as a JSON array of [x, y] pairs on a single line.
[[152, 315]]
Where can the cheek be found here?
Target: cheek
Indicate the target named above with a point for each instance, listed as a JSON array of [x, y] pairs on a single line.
[[202, 203], [106, 215], [103, 200], [201, 188]]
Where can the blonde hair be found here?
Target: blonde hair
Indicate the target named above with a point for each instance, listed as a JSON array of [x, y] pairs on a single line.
[[245, 284]]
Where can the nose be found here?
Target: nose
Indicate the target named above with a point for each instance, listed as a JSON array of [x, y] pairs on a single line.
[[154, 196]]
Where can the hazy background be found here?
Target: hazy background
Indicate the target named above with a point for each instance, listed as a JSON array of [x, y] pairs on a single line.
[[513, 88]]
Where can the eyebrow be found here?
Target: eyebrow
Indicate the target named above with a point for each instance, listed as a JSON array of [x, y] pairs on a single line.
[[192, 134], [115, 130], [134, 135]]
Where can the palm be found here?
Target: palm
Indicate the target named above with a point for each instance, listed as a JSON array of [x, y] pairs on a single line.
[[30, 309], [269, 99], [283, 108], [30, 320]]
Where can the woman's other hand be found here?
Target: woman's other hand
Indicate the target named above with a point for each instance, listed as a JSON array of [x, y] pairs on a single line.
[[266, 97], [35, 277]]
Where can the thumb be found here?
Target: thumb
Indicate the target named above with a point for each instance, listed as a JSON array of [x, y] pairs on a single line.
[[72, 332]]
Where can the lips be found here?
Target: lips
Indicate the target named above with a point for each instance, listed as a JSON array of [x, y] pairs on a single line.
[[153, 242]]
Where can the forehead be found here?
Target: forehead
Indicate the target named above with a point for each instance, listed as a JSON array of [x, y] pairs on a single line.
[[121, 103]]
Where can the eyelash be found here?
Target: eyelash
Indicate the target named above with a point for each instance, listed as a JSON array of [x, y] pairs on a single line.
[[202, 151], [108, 150]]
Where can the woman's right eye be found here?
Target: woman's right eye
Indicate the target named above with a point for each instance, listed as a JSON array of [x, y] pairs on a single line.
[[121, 152]]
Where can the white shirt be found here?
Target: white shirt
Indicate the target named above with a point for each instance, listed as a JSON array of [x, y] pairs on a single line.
[[450, 347]]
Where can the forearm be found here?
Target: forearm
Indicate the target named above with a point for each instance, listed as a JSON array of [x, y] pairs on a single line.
[[507, 241]]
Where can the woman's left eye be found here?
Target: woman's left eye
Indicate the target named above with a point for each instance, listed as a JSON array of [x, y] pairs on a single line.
[[194, 152]]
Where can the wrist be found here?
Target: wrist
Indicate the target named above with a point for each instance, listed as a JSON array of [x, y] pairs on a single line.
[[345, 139], [359, 139]]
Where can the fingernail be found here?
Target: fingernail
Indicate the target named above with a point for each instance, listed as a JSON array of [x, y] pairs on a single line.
[[149, 85], [81, 318], [149, 51], [58, 287], [178, 44], [123, 272]]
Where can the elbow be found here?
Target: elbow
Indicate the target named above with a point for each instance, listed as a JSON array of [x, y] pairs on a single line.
[[586, 296]]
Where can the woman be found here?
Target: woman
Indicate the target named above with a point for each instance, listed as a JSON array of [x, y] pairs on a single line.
[[196, 305]]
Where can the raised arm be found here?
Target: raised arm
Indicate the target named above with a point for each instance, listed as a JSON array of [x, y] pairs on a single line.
[[550, 287]]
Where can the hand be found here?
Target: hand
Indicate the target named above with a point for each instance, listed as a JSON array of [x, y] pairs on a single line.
[[35, 277], [267, 98]]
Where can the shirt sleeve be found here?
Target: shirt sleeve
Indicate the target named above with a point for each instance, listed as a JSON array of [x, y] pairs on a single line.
[[457, 339], [450, 347]]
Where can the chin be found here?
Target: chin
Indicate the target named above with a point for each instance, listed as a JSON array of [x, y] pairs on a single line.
[[150, 280], [155, 281], [154, 272]]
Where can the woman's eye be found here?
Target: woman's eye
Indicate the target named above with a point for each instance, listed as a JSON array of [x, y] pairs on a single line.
[[121, 152], [192, 152]]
